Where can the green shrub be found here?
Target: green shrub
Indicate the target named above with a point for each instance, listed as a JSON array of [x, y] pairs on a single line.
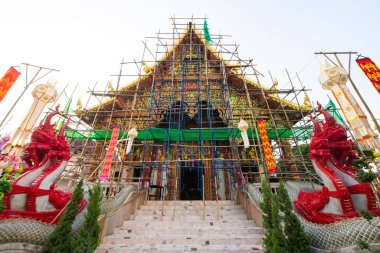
[[266, 207], [297, 241], [88, 236], [59, 241], [365, 177]]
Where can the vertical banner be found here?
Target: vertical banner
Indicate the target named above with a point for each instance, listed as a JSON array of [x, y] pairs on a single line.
[[371, 71], [7, 81], [110, 152], [266, 147]]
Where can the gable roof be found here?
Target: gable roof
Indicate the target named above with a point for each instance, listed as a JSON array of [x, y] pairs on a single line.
[[145, 77]]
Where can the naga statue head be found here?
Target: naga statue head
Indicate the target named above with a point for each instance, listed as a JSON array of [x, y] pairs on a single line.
[[45, 140]]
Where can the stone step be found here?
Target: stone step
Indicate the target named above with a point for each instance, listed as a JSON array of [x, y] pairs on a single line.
[[159, 207], [178, 241], [189, 218], [153, 236], [190, 212], [198, 209], [204, 231], [170, 223], [225, 229], [173, 238], [119, 248], [191, 203], [123, 250]]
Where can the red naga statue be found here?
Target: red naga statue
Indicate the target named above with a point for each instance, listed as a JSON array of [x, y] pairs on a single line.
[[33, 193], [342, 196]]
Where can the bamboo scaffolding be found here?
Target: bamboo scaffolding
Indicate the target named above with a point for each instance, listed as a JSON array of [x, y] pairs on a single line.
[[158, 98]]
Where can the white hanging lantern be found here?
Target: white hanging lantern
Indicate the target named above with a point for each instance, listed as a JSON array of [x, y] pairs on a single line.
[[243, 127], [132, 134]]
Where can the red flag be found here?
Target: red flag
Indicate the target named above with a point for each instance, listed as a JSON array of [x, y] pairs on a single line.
[[7, 81], [266, 147], [371, 71]]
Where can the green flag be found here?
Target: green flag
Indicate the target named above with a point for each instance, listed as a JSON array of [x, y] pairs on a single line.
[[331, 108], [206, 33]]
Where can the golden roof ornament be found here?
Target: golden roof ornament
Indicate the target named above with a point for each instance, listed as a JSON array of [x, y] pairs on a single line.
[[79, 106], [236, 69], [109, 87], [146, 68], [306, 100], [275, 84]]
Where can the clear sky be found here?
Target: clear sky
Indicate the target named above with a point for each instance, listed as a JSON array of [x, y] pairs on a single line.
[[86, 40]]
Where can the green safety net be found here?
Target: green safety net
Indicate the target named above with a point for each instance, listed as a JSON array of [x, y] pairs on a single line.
[[162, 134]]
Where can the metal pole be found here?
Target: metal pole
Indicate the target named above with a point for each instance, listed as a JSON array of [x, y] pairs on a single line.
[[352, 82], [204, 204], [175, 191], [216, 196], [365, 105], [360, 95], [13, 106]]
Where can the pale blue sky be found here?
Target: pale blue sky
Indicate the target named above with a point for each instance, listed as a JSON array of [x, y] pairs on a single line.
[[86, 40]]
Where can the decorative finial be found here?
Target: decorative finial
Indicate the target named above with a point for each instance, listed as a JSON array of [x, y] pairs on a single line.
[[146, 68], [109, 87], [306, 100], [79, 106], [275, 84]]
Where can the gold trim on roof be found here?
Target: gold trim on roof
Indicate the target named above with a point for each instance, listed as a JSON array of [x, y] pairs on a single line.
[[274, 96]]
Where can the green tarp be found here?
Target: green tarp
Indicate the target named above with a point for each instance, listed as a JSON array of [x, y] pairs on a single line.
[[162, 134]]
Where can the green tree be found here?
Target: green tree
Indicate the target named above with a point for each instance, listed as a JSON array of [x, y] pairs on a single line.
[[266, 207], [59, 241], [279, 243], [88, 237], [297, 241]]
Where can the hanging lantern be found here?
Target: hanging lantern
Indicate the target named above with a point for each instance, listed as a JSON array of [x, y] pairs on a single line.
[[243, 127], [132, 134]]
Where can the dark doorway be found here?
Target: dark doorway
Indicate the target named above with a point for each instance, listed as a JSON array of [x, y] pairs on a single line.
[[191, 183]]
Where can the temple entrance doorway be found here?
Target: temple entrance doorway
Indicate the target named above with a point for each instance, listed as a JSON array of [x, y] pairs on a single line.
[[191, 182]]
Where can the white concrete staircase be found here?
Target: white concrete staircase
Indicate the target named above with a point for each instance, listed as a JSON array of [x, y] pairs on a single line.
[[147, 231]]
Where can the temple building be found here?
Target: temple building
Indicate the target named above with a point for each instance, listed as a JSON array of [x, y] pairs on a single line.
[[191, 151], [186, 108]]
